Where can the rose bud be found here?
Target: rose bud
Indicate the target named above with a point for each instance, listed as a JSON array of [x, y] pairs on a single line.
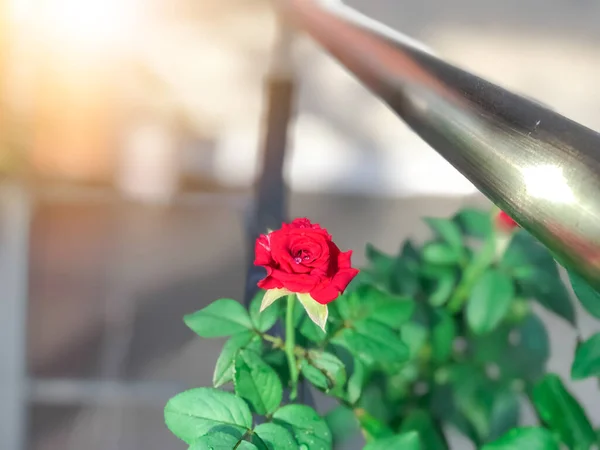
[[300, 258], [505, 223]]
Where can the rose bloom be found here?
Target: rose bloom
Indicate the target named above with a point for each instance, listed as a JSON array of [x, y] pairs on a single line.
[[504, 222], [301, 258]]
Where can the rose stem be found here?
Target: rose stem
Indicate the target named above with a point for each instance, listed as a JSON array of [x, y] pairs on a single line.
[[290, 344]]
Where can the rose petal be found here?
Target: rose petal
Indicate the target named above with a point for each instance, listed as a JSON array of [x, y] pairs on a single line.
[[317, 312], [262, 251], [325, 293], [270, 283], [342, 279], [329, 290], [295, 282], [271, 295], [303, 222], [280, 251], [344, 260]]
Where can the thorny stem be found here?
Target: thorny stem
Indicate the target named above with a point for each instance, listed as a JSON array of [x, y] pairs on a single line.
[[290, 345]]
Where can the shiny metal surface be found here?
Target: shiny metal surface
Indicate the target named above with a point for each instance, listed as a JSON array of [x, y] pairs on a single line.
[[537, 165]]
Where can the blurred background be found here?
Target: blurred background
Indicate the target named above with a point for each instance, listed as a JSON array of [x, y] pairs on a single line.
[[130, 139]]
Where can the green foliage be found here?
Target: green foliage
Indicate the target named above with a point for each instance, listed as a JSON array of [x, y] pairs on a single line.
[[406, 441], [562, 414], [343, 425], [429, 433], [223, 317], [275, 436], [222, 441], [587, 359], [531, 438], [224, 367], [489, 301], [536, 275], [307, 427], [589, 298], [263, 321], [194, 413], [257, 383], [440, 334]]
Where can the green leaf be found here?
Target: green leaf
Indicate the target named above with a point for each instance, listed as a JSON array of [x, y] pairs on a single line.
[[405, 277], [307, 327], [356, 382], [587, 295], [324, 370], [224, 367], [373, 342], [587, 359], [443, 333], [444, 408], [263, 321], [558, 409], [256, 382], [439, 253], [277, 359], [529, 438], [505, 413], [474, 396], [194, 413], [429, 432], [519, 352], [549, 291], [489, 301], [257, 441], [343, 425], [414, 335], [444, 286], [375, 400], [380, 261], [372, 303], [488, 407], [221, 318], [222, 441], [315, 376], [404, 441], [307, 427], [372, 428], [474, 222], [448, 231], [535, 270], [392, 312], [275, 436]]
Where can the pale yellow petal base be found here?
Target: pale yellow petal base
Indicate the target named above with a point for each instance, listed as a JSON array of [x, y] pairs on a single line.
[[271, 295], [318, 313]]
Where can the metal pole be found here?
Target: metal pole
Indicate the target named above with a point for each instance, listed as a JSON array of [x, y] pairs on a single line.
[[270, 202], [537, 165], [15, 216], [269, 208]]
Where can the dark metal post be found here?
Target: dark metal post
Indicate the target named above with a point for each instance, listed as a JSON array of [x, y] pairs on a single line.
[[269, 207]]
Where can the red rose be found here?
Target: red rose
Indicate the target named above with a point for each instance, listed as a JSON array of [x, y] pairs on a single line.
[[301, 258], [504, 222]]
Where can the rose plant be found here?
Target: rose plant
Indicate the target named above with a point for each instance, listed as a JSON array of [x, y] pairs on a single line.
[[443, 334]]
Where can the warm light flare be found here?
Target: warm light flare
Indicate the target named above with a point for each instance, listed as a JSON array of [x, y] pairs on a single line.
[[87, 24]]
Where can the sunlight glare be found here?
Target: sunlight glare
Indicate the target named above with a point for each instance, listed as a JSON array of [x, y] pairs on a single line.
[[547, 182], [88, 24]]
